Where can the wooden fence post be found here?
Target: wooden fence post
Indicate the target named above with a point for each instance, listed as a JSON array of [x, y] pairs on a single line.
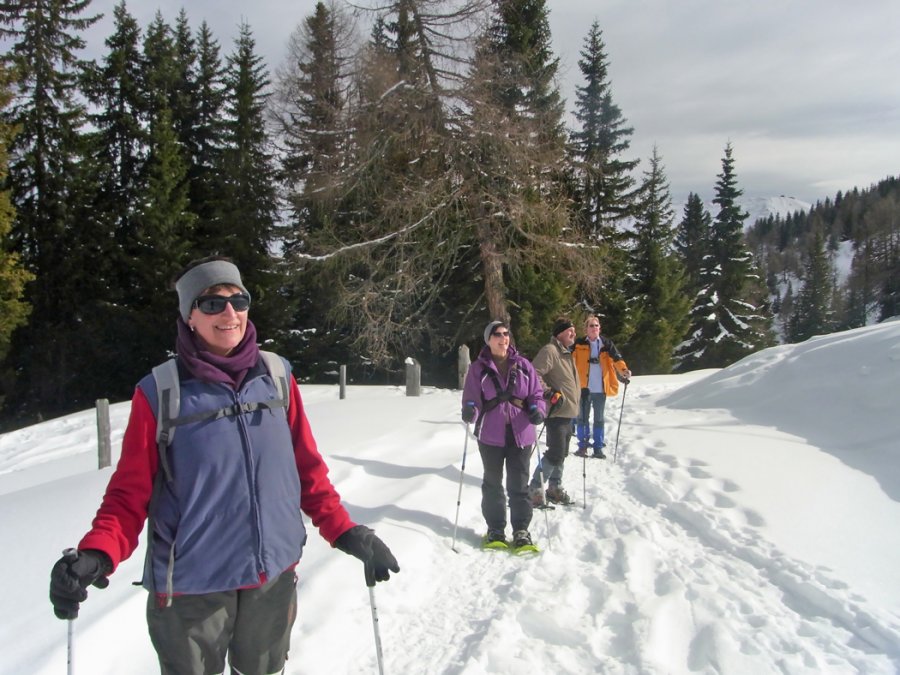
[[104, 446], [413, 377], [462, 365]]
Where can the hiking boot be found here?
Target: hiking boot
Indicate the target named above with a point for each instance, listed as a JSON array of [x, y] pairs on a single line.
[[556, 495], [536, 495], [580, 452], [521, 538], [598, 454], [494, 536]]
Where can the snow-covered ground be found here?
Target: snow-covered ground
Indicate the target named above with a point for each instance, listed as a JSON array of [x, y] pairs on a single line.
[[750, 525]]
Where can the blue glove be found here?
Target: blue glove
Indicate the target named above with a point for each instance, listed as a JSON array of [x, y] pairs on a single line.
[[468, 412], [535, 416]]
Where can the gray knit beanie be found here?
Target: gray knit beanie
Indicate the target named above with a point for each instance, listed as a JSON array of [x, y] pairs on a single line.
[[197, 279], [490, 329]]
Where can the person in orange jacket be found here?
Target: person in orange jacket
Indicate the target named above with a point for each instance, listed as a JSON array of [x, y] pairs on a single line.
[[600, 368]]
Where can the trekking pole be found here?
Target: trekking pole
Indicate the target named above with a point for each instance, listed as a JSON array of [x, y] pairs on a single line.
[[370, 582], [543, 494], [619, 429], [462, 472], [584, 477], [72, 555], [70, 647]]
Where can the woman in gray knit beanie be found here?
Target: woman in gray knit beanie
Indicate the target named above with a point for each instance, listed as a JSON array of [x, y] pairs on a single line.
[[223, 495]]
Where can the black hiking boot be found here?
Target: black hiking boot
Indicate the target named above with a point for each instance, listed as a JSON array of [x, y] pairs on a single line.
[[521, 538], [494, 539]]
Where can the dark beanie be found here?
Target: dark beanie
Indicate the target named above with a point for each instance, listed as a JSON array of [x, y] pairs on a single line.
[[561, 325]]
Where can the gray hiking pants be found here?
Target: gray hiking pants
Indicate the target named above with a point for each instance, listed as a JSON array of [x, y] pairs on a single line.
[[493, 500], [252, 626]]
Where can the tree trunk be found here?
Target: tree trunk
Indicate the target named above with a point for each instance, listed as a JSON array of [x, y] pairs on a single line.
[[492, 269]]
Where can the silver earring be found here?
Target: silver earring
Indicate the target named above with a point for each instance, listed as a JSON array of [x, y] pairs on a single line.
[[192, 328]]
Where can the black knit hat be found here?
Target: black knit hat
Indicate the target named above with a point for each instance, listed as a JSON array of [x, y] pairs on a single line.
[[560, 325]]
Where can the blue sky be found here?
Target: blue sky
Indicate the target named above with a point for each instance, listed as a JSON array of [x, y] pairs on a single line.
[[806, 90]]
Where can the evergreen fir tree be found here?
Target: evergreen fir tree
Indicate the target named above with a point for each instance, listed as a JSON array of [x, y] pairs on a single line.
[[658, 303], [606, 188], [160, 75], [13, 275], [44, 177], [889, 302], [605, 191], [165, 222], [250, 212], [311, 112], [183, 97], [692, 241], [813, 313], [118, 139], [205, 174], [729, 318]]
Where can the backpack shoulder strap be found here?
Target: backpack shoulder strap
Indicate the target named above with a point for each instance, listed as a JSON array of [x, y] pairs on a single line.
[[168, 398], [278, 373]]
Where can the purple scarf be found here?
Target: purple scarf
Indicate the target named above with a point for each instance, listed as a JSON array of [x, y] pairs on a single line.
[[204, 365]]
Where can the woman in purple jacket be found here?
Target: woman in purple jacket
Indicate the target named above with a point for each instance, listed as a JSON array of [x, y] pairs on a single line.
[[503, 396]]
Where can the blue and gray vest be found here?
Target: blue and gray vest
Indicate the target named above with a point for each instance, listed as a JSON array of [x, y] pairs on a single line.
[[226, 502]]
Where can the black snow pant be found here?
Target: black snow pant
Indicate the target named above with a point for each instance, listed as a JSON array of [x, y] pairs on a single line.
[[493, 499], [559, 433], [251, 625]]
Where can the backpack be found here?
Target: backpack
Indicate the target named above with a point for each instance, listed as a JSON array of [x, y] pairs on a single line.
[[168, 401], [168, 397]]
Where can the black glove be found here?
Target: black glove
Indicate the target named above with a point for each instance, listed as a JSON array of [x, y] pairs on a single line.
[[535, 416], [361, 542], [468, 412], [70, 577]]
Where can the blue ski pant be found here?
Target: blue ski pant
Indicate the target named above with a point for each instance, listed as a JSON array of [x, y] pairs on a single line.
[[596, 403]]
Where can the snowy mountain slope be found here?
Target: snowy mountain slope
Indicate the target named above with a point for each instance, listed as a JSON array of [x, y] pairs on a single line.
[[756, 207]]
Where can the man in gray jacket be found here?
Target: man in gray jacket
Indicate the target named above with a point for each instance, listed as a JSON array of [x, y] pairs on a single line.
[[555, 365]]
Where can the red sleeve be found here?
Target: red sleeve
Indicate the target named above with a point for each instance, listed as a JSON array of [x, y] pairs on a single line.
[[318, 498], [120, 518]]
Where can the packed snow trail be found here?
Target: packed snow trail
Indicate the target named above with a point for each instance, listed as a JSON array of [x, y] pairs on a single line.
[[739, 533], [661, 573]]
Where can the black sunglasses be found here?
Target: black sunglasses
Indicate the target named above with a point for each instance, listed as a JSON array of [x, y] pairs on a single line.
[[215, 304], [500, 333]]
